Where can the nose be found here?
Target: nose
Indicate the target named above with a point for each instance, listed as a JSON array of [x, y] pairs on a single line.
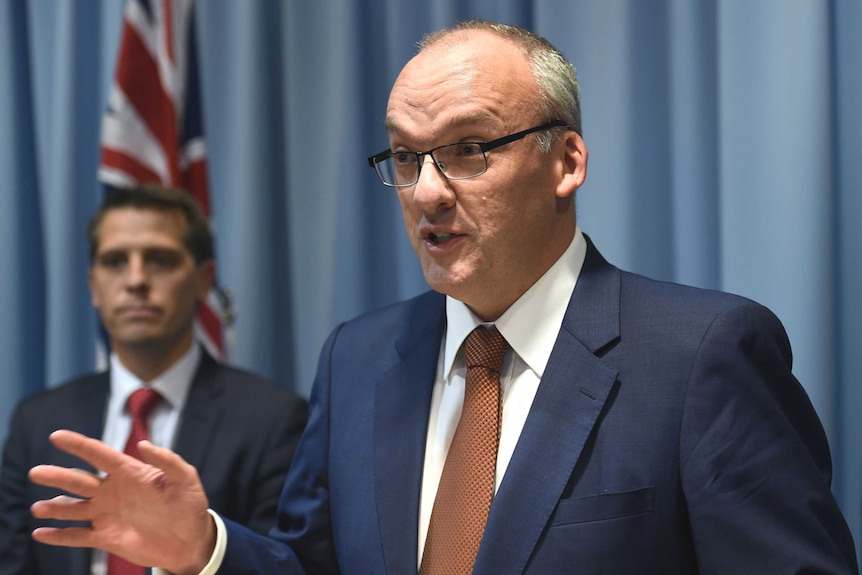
[[136, 273], [433, 190]]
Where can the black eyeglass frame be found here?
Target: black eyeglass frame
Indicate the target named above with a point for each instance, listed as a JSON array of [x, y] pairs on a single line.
[[483, 146]]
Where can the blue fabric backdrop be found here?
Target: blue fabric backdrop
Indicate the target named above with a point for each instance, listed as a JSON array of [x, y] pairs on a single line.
[[725, 142]]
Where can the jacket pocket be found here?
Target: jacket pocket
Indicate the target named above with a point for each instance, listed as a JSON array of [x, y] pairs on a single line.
[[604, 506]]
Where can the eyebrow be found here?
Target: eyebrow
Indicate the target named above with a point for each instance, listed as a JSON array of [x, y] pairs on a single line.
[[147, 250]]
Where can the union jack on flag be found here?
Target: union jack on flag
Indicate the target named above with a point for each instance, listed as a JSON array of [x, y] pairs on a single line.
[[152, 131]]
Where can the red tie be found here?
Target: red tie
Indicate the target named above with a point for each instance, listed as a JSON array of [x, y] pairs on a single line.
[[467, 483], [140, 405]]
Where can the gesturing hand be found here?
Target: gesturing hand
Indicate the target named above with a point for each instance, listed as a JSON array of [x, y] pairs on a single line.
[[152, 513]]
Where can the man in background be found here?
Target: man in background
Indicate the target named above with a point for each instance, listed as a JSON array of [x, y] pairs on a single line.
[[151, 265]]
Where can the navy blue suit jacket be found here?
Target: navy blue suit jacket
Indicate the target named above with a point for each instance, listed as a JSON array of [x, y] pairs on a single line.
[[668, 436], [237, 430]]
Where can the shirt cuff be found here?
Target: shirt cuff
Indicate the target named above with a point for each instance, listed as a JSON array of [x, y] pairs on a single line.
[[217, 557]]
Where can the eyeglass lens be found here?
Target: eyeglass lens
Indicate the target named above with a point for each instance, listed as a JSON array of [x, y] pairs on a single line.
[[457, 161]]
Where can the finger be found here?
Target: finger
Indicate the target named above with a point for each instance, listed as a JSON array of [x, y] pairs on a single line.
[[63, 508], [75, 481], [93, 451], [162, 458], [66, 537]]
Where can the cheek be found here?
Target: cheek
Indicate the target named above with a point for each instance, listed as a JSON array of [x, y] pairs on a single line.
[[405, 200], [512, 224], [179, 292], [493, 212], [100, 292], [409, 214]]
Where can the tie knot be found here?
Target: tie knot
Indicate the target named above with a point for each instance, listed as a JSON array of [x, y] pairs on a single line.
[[485, 347], [142, 402]]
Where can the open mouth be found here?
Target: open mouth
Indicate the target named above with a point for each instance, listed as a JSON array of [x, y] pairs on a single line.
[[439, 238]]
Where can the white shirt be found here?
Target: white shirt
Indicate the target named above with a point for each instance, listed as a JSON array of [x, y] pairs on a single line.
[[531, 326], [173, 385]]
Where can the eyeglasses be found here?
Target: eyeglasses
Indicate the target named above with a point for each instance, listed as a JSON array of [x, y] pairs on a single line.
[[459, 161]]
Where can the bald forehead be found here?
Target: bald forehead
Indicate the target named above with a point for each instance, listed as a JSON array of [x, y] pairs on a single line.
[[470, 73]]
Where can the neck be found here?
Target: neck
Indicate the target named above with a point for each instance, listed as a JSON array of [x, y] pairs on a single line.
[[147, 363]]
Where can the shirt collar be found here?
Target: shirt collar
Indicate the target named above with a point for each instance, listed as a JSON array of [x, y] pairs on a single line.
[[173, 384], [532, 323]]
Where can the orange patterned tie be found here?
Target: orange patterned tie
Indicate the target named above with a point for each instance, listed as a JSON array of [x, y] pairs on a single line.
[[467, 484], [140, 405]]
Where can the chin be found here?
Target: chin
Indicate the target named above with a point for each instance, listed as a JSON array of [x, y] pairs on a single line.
[[451, 279], [446, 285], [139, 340]]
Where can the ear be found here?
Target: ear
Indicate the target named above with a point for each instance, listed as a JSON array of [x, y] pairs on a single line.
[[94, 295], [573, 165], [206, 273]]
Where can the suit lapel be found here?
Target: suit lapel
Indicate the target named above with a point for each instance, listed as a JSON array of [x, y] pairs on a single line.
[[92, 404], [402, 402], [202, 414], [568, 403]]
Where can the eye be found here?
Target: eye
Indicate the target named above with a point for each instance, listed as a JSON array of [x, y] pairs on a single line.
[[403, 158], [162, 259], [468, 149], [112, 260]]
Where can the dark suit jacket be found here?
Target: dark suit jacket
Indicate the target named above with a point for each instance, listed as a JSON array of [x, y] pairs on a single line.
[[238, 430], [667, 436]]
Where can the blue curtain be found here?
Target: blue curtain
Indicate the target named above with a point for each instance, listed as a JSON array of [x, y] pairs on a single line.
[[725, 143]]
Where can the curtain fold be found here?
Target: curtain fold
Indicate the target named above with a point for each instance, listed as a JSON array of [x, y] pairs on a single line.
[[22, 291]]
